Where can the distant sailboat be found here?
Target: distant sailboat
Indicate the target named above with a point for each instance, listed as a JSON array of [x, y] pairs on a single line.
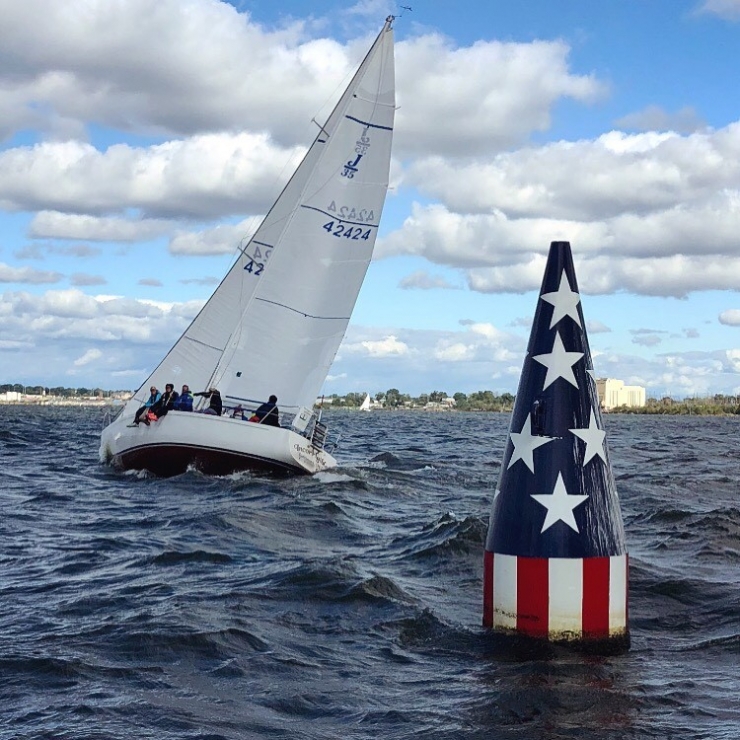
[[365, 405], [274, 324]]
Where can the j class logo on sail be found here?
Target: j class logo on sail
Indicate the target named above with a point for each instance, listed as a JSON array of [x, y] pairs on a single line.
[[361, 147], [255, 262]]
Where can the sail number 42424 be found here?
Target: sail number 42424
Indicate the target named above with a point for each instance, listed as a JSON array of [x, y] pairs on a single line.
[[336, 228]]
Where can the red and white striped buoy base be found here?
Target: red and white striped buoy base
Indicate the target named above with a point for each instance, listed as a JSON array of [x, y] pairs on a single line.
[[573, 600]]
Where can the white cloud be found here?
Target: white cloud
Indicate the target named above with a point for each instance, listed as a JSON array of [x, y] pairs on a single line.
[[10, 274], [221, 239], [388, 346], [647, 340], [654, 118], [596, 327], [731, 317], [80, 279], [455, 352], [53, 224], [90, 356], [618, 175], [733, 358], [160, 65], [208, 175], [422, 280], [493, 94], [727, 9]]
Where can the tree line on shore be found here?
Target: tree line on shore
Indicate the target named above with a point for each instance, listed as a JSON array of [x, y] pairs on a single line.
[[394, 399], [476, 401], [59, 391], [717, 404]]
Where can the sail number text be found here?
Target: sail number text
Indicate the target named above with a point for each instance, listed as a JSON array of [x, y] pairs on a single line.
[[256, 262], [350, 213], [348, 232]]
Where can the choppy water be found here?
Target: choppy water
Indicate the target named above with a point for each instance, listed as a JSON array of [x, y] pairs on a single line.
[[348, 605]]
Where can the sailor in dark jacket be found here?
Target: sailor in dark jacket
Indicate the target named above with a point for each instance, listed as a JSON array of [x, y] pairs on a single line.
[[165, 403], [215, 405], [267, 413]]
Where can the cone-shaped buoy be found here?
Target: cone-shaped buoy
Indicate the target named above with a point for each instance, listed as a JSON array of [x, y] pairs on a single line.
[[555, 563]]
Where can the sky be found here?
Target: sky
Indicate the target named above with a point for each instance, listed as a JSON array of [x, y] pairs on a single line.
[[140, 140]]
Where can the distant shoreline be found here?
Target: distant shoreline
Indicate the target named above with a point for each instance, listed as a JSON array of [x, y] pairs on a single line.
[[65, 402]]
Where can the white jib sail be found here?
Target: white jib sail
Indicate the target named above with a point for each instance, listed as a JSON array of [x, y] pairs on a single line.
[[275, 322]]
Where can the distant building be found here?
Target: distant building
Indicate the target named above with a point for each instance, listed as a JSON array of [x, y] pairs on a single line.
[[614, 393]]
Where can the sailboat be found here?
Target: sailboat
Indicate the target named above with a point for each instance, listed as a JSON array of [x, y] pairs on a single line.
[[365, 405], [275, 322]]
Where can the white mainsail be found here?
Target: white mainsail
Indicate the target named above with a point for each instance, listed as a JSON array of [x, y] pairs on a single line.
[[365, 405], [275, 322]]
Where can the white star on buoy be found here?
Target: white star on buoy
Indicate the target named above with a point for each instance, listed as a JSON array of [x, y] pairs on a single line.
[[559, 363], [564, 300], [594, 439], [559, 505], [525, 443]]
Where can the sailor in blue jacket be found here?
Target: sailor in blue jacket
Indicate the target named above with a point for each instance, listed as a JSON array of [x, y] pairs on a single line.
[[155, 395], [184, 401], [165, 404]]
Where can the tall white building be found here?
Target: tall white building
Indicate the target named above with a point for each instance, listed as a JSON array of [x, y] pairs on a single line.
[[614, 393]]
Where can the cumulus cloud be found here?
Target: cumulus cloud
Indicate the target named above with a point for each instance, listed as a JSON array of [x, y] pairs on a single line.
[[220, 239], [496, 93], [647, 340], [208, 175], [39, 251], [596, 327], [731, 317], [384, 347], [647, 337], [90, 356], [80, 279], [60, 314], [618, 174], [422, 280], [205, 281], [99, 339], [727, 9], [10, 274], [654, 118], [481, 342], [733, 359], [53, 224], [179, 66]]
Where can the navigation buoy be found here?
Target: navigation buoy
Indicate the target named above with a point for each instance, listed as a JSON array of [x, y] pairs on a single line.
[[555, 562]]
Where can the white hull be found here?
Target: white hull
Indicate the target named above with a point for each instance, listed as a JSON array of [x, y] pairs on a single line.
[[214, 445]]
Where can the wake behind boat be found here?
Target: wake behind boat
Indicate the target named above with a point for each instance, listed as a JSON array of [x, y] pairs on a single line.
[[275, 323]]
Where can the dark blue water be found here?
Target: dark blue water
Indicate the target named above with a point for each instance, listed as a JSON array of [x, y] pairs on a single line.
[[348, 605]]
